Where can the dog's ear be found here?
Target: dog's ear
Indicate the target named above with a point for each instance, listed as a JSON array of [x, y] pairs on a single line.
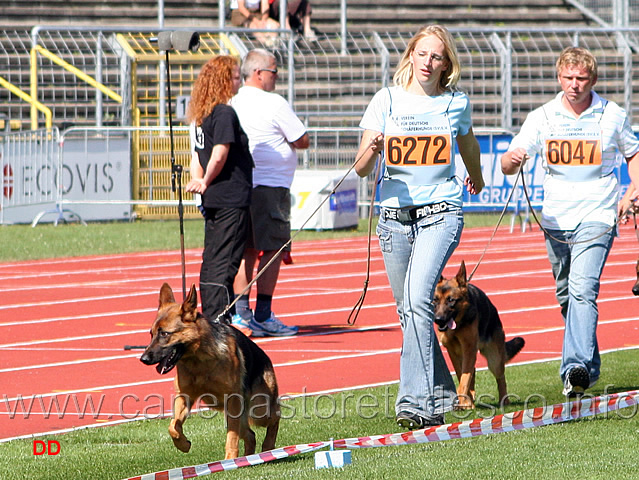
[[166, 295], [461, 275], [189, 307]]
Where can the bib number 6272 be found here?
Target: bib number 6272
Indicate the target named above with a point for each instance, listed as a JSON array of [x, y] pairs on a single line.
[[418, 150]]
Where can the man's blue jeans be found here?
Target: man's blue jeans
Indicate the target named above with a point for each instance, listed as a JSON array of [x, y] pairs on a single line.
[[577, 270], [415, 255]]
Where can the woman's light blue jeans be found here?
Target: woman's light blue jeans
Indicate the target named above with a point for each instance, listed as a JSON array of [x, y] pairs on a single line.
[[577, 269], [415, 255]]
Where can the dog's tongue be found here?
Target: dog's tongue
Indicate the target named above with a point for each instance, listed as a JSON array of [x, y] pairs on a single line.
[[452, 325], [162, 367]]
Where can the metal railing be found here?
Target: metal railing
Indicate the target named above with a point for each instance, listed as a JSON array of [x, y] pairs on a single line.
[[506, 72], [609, 13]]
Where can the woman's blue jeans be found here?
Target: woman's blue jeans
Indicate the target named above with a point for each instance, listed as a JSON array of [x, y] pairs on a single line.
[[415, 254], [577, 269]]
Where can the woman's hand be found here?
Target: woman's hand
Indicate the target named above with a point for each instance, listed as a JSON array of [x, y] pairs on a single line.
[[196, 185], [371, 145], [472, 186]]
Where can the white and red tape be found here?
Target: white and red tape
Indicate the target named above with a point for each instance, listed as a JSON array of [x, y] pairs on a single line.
[[535, 417]]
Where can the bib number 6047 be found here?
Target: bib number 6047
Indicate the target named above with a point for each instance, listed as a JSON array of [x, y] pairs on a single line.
[[573, 152]]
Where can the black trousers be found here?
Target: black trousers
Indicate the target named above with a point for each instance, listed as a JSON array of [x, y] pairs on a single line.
[[225, 234]]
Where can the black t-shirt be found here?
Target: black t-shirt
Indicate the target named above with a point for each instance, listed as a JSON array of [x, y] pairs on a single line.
[[232, 187]]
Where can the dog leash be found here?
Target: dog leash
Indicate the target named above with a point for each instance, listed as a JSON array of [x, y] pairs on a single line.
[[299, 230], [352, 317], [501, 217], [630, 209]]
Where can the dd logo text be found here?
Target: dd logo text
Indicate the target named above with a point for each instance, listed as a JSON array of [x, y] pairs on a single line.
[[52, 447]]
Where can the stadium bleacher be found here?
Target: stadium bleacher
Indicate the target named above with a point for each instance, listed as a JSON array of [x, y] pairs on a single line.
[[508, 64], [363, 15], [331, 88]]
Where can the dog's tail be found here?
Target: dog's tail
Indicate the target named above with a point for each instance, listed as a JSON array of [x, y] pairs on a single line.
[[513, 347]]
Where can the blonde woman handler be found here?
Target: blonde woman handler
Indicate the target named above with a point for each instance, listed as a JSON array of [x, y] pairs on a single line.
[[414, 124]]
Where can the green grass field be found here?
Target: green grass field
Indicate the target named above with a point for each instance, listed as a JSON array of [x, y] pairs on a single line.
[[600, 447], [22, 242]]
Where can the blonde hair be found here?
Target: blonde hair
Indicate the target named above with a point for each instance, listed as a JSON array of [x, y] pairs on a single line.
[[576, 56], [212, 87], [450, 76]]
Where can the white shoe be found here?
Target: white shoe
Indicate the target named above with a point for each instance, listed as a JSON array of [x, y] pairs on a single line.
[[272, 327], [242, 325]]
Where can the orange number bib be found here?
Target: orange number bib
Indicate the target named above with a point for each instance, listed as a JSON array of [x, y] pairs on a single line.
[[417, 150], [573, 152]]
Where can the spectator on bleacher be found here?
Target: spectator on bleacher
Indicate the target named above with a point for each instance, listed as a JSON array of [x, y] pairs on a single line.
[[579, 136], [254, 14], [415, 124], [249, 13], [221, 172], [275, 133], [298, 18]]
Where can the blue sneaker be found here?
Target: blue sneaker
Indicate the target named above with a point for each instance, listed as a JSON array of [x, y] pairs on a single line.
[[242, 325], [272, 327]]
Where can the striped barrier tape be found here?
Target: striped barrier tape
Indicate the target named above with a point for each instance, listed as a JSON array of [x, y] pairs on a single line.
[[535, 417], [232, 464]]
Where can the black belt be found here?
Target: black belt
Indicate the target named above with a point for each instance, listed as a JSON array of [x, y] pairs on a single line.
[[415, 213]]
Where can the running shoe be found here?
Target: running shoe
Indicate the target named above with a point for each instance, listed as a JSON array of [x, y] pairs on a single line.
[[242, 325], [271, 327], [576, 383]]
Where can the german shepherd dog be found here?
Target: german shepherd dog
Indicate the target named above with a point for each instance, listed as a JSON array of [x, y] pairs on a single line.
[[467, 321], [635, 289], [218, 365]]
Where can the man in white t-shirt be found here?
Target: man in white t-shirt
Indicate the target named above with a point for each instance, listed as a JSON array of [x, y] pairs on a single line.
[[275, 133], [581, 138]]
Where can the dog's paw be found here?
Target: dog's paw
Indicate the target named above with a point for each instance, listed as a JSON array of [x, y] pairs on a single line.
[[182, 444], [464, 402]]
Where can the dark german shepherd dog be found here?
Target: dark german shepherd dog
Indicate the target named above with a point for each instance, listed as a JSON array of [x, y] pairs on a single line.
[[467, 321], [218, 365], [635, 289]]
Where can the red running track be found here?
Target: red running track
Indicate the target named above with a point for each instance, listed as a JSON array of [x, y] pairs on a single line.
[[64, 323]]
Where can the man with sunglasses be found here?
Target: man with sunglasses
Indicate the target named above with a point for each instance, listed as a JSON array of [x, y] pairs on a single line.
[[275, 133]]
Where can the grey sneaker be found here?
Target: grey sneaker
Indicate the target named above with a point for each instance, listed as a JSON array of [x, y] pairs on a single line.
[[272, 327], [412, 421], [576, 383]]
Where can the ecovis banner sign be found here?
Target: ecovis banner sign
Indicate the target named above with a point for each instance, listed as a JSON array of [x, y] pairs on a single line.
[[88, 177]]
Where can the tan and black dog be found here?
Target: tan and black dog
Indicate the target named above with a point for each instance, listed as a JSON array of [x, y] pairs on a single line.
[[635, 289], [466, 321], [217, 365]]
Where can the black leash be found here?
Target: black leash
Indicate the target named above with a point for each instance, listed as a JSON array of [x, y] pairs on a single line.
[[588, 240], [520, 173], [352, 317], [276, 257]]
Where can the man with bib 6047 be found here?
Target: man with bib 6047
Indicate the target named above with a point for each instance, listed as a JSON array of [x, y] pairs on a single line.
[[580, 137], [415, 125]]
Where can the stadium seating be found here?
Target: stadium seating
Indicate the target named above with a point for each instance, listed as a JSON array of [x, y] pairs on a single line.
[[332, 86]]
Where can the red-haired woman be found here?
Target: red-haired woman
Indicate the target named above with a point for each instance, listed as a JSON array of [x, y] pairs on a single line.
[[222, 173]]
